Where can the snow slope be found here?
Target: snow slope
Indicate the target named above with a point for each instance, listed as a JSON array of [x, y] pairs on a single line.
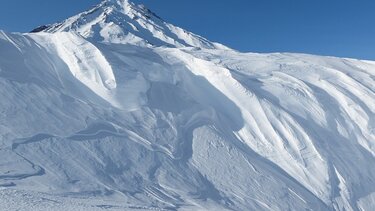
[[96, 124]]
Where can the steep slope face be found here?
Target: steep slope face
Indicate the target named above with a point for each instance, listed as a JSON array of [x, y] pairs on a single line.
[[121, 21], [86, 124]]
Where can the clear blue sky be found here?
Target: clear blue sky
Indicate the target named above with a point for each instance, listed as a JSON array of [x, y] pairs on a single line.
[[343, 28]]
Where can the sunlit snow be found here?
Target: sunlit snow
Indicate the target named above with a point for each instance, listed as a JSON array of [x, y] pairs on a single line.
[[115, 109]]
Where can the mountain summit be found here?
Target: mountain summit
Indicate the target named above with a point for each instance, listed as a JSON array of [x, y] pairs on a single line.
[[121, 21]]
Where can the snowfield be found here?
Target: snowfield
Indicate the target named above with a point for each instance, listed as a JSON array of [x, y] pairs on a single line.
[[115, 109]]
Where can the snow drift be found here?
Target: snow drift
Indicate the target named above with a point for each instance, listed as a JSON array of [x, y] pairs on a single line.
[[116, 109]]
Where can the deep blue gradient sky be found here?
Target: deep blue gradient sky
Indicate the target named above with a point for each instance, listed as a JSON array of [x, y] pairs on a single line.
[[344, 28]]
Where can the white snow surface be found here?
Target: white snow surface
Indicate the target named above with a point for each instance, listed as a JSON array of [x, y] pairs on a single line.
[[114, 123]]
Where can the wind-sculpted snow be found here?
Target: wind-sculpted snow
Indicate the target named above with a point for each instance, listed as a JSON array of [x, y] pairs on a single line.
[[108, 124], [188, 128]]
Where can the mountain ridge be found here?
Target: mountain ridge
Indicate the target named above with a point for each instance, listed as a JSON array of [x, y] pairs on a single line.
[[125, 22]]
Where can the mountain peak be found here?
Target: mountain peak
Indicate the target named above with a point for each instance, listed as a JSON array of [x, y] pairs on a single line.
[[120, 2], [125, 5], [117, 2], [123, 22]]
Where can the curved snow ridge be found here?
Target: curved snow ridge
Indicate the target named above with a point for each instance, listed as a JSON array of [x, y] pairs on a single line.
[[308, 87], [8, 38], [296, 111], [84, 60], [268, 130]]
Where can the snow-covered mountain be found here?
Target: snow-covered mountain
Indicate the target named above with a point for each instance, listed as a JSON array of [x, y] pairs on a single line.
[[121, 21], [115, 109]]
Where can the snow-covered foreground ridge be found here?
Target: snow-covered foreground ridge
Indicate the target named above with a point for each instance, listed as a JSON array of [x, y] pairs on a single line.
[[93, 120]]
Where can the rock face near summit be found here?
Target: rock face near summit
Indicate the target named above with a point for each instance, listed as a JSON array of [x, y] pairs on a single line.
[[115, 109], [121, 21]]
